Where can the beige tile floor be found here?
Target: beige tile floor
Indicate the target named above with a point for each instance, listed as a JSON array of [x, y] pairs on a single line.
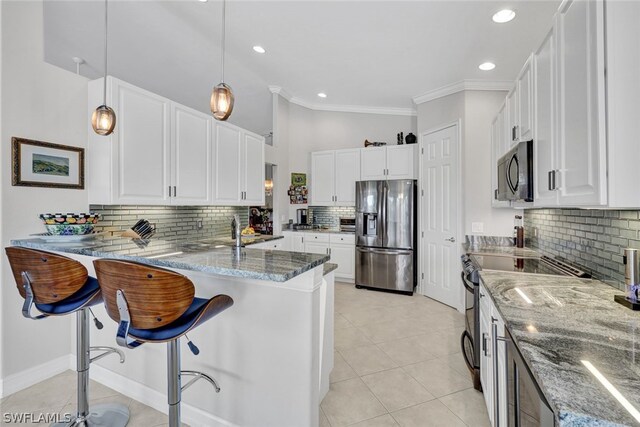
[[397, 363]]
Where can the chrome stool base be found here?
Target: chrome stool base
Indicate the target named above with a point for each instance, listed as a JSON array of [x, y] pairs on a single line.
[[107, 415]]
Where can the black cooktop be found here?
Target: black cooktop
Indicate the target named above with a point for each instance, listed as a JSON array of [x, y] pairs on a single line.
[[542, 265]]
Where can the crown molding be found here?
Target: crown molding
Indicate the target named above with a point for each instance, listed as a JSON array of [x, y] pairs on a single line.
[[503, 85], [342, 108]]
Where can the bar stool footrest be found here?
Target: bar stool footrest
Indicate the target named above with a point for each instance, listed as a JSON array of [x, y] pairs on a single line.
[[107, 415], [197, 375], [107, 351]]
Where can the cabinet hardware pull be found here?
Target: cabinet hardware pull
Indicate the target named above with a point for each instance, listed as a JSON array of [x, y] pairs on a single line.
[[175, 191], [550, 180], [169, 191]]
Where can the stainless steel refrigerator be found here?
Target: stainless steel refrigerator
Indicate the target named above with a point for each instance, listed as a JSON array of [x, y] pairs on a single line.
[[386, 235]]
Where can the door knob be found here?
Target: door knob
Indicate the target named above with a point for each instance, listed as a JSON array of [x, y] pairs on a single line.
[[450, 239]]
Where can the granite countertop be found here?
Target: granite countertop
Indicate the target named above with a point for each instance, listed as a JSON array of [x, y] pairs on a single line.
[[216, 256], [511, 251], [568, 321], [328, 267], [321, 230]]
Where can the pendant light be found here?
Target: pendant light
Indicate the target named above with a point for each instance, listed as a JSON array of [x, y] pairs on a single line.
[[222, 96], [103, 119]]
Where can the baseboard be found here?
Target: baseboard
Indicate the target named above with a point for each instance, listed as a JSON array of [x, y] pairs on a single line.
[[190, 415], [21, 380]]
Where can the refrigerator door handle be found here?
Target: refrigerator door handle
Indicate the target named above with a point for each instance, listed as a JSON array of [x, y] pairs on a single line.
[[390, 251]]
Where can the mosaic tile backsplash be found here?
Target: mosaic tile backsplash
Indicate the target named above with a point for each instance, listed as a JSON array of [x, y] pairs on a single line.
[[593, 239], [330, 215], [172, 222]]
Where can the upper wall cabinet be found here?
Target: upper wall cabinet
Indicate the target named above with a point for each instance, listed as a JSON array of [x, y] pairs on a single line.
[[163, 153], [333, 177], [498, 148], [390, 162], [524, 86], [238, 166]]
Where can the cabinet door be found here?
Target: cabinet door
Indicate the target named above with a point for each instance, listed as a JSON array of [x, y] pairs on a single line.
[[227, 158], [581, 139], [373, 163], [497, 137], [297, 242], [253, 170], [400, 161], [191, 156], [525, 96], [344, 256], [512, 117], [347, 172], [316, 248], [143, 146], [544, 147], [486, 365], [323, 178]]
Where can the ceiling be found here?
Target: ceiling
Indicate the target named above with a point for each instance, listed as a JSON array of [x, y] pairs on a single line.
[[368, 54]]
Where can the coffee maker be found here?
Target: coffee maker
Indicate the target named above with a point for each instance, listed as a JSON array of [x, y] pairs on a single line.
[[302, 217]]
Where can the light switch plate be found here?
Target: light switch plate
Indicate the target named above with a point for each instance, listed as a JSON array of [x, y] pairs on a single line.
[[477, 227]]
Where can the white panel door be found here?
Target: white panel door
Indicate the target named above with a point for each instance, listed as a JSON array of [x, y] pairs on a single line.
[[345, 257], [347, 172], [143, 139], [525, 98], [323, 178], [252, 161], [191, 156], [512, 117], [544, 141], [582, 144], [373, 163], [439, 206], [400, 161], [227, 158]]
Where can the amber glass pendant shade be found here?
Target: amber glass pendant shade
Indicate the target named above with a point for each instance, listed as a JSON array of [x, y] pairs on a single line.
[[221, 102], [103, 120]]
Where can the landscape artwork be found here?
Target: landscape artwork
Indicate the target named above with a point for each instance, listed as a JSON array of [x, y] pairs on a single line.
[[50, 165], [45, 164]]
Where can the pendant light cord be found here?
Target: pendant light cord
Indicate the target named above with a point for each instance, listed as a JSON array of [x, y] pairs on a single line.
[[106, 22], [224, 13]]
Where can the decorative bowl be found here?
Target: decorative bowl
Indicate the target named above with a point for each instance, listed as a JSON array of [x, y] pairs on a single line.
[[69, 229], [70, 218]]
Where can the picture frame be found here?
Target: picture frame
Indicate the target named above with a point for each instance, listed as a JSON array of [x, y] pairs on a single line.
[[44, 164], [298, 179]]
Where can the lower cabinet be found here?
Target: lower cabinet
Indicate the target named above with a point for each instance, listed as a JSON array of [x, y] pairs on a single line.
[[492, 365], [272, 244], [341, 248]]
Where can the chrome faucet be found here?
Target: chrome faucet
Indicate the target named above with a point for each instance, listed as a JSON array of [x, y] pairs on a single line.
[[236, 219]]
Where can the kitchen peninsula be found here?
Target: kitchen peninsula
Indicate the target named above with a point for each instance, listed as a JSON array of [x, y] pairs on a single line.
[[272, 352]]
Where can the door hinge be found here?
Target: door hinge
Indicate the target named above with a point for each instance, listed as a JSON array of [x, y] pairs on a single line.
[[422, 276], [422, 150]]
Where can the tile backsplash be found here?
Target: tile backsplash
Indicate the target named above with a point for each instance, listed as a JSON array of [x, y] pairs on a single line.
[[330, 215], [593, 239], [172, 222]]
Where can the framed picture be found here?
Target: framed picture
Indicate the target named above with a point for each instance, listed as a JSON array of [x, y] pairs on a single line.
[[43, 164], [298, 179]]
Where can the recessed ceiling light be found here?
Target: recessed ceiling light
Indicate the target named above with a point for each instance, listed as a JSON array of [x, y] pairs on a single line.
[[259, 49], [322, 95], [487, 66], [504, 15], [202, 1]]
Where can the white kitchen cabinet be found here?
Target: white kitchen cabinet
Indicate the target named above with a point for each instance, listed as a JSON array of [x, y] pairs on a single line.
[[511, 117], [191, 156], [524, 85], [342, 249], [333, 177], [544, 138], [492, 396], [271, 244], [390, 162], [322, 178], [316, 247], [581, 104], [132, 165], [498, 149], [239, 166]]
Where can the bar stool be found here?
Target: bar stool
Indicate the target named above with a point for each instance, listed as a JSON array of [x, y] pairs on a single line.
[[156, 305], [58, 286]]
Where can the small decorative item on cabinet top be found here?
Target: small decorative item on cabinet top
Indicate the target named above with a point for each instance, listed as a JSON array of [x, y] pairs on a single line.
[[298, 189], [43, 164], [410, 138], [367, 143]]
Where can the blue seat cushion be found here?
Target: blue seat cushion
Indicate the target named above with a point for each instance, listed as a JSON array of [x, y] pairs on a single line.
[[199, 311], [87, 295]]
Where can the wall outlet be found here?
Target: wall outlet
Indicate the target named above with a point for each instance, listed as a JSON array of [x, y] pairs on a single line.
[[477, 227], [199, 224]]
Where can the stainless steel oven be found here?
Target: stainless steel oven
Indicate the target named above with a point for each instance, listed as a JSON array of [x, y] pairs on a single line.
[[515, 174]]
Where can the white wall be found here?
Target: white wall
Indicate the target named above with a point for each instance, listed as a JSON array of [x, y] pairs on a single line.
[[311, 130], [42, 102], [476, 110]]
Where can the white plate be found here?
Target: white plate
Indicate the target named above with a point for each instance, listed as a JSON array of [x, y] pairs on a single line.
[[57, 238], [246, 236]]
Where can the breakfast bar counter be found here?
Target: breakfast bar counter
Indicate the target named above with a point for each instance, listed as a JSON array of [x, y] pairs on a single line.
[[271, 352]]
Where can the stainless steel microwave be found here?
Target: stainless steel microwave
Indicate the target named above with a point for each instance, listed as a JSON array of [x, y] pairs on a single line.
[[515, 174]]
